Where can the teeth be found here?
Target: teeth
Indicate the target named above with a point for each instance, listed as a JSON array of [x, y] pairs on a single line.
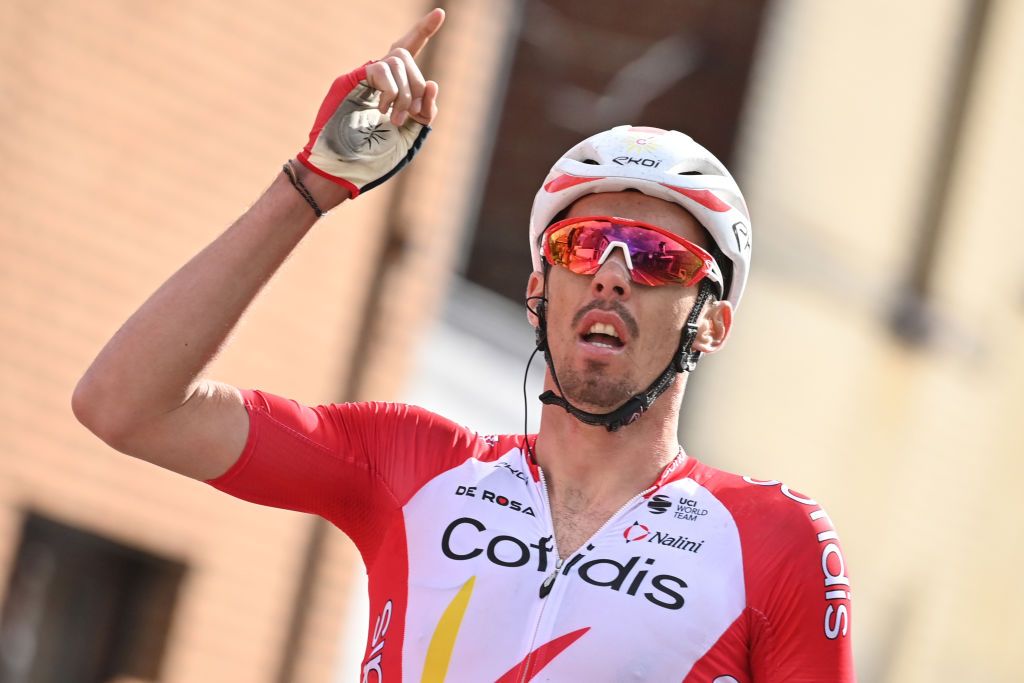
[[602, 328]]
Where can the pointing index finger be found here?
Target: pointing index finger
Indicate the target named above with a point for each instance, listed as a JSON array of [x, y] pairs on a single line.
[[421, 32]]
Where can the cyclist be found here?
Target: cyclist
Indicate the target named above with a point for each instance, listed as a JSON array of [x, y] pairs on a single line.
[[594, 550]]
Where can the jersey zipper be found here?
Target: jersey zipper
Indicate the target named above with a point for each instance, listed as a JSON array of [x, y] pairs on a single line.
[[549, 582]]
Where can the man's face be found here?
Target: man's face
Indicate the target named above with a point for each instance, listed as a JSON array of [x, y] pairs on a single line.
[[597, 371]]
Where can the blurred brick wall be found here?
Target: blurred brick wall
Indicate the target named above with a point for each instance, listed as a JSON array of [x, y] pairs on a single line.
[[133, 133]]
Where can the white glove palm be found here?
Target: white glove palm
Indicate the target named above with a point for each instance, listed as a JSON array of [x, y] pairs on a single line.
[[358, 146], [354, 143]]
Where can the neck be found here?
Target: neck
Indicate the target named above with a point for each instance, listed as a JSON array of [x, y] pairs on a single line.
[[608, 466]]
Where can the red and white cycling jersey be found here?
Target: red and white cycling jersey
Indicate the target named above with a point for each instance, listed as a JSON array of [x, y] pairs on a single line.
[[705, 576]]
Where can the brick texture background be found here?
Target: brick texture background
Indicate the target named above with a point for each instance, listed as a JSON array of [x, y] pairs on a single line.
[[133, 132]]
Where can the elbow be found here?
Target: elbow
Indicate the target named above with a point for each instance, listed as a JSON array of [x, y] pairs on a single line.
[[81, 403], [93, 412]]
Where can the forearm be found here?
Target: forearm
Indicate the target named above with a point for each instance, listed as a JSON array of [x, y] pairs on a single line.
[[152, 364], [143, 395]]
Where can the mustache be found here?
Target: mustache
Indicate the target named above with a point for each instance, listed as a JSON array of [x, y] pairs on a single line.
[[614, 307]]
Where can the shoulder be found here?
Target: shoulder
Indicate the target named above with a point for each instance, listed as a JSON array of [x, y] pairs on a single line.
[[792, 556], [373, 428], [796, 582], [766, 507], [783, 532], [373, 418]]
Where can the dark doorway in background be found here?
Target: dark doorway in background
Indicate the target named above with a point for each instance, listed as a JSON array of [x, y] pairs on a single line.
[[581, 67], [81, 608]]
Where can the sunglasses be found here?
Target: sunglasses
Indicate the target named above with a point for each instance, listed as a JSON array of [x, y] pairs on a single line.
[[653, 255]]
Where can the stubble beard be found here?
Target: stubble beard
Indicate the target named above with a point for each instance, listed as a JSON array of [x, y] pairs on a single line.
[[593, 388]]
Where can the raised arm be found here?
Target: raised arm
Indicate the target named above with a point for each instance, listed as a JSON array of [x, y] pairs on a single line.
[[144, 394]]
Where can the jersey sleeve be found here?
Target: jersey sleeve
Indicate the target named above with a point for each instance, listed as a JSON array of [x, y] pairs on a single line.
[[351, 463], [798, 595]]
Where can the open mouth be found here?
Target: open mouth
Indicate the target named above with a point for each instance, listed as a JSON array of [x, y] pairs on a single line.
[[603, 336]]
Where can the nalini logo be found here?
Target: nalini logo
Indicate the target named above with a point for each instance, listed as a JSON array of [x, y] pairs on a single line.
[[637, 532], [642, 532], [659, 504]]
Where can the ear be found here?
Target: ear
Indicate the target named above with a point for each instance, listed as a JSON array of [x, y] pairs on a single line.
[[715, 323], [534, 287]]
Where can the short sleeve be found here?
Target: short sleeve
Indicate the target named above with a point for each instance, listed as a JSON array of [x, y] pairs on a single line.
[[799, 598], [352, 463]]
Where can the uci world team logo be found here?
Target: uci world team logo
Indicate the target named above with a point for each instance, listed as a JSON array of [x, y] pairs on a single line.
[[636, 532]]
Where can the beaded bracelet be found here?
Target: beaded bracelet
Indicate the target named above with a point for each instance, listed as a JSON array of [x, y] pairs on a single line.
[[303, 190]]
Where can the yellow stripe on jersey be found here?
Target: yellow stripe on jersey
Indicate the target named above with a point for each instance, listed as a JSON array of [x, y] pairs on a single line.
[[439, 654]]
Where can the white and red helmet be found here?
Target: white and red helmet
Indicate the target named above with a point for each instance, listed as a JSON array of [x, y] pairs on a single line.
[[661, 163]]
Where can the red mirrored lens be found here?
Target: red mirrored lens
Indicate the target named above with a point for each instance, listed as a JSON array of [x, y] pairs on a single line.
[[657, 258]]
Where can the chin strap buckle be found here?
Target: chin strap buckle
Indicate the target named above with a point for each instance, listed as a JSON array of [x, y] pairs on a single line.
[[627, 413], [686, 359]]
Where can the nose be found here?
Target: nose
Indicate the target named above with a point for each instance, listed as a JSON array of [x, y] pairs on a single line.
[[612, 280]]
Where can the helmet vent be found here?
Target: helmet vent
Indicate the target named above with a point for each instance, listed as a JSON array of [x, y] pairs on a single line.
[[591, 162]]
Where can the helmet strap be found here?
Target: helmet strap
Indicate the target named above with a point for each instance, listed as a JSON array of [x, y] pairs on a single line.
[[683, 360]]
